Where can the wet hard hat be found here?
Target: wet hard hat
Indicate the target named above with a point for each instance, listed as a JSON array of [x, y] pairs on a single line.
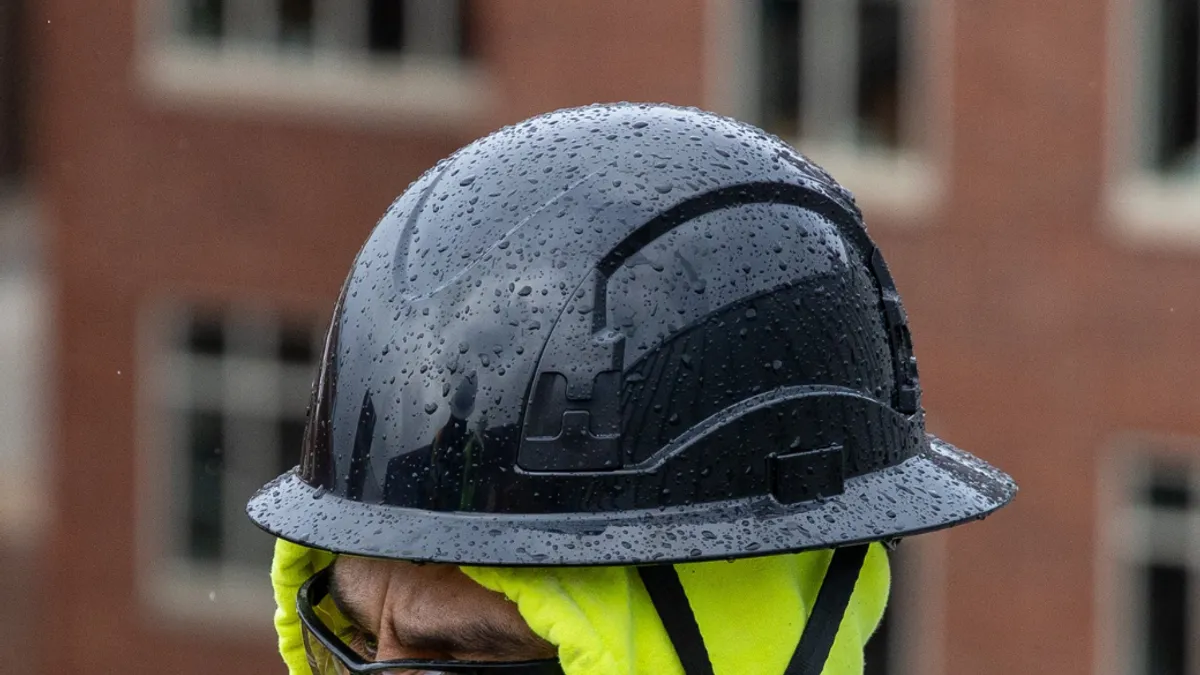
[[619, 335], [623, 335]]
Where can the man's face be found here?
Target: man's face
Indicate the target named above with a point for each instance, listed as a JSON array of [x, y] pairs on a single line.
[[406, 611]]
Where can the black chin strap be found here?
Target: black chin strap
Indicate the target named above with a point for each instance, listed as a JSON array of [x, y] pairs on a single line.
[[662, 583], [666, 592], [828, 610]]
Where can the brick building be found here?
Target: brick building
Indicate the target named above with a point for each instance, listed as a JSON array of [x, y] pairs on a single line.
[[206, 170]]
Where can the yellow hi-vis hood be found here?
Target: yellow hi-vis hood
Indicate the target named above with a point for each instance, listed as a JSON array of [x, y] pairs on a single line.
[[751, 612]]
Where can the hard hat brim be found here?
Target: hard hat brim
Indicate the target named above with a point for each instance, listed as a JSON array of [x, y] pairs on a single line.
[[939, 488]]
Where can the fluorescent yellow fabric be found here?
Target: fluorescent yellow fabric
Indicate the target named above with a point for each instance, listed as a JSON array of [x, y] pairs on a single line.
[[751, 612], [292, 566]]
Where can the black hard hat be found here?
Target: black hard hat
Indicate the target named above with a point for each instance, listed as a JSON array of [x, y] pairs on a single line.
[[620, 334]]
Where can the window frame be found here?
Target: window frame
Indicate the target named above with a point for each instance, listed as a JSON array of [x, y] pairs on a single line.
[[24, 303], [1143, 207], [15, 47], [1123, 552], [219, 595], [174, 72], [906, 185]]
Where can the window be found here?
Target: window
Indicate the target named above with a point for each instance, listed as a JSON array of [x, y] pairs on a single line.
[[228, 396], [1156, 113], [438, 29], [1172, 79], [1156, 539], [12, 93], [415, 57], [847, 81], [831, 70]]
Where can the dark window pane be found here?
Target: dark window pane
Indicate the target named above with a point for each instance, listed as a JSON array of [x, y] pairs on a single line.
[[205, 490], [204, 19], [206, 335], [1179, 76], [780, 84], [1167, 621], [878, 104], [242, 543], [12, 91], [291, 435], [1169, 486], [296, 23], [296, 344], [386, 26], [468, 29]]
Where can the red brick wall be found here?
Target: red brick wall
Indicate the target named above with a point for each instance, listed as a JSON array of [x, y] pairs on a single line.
[[143, 200], [1039, 335]]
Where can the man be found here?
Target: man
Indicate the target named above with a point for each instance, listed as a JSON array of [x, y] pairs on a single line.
[[619, 390]]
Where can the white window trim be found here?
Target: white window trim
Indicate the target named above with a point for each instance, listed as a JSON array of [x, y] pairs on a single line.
[[1143, 209], [325, 83], [1124, 540], [226, 597], [24, 325], [907, 186]]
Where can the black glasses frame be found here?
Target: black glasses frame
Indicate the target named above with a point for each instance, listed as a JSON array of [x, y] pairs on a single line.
[[313, 591]]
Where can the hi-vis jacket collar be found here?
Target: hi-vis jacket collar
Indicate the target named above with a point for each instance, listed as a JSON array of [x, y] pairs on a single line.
[[750, 612]]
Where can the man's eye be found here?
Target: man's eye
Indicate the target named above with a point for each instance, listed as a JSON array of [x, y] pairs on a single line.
[[364, 643]]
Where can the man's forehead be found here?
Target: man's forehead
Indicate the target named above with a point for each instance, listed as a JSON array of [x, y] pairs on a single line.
[[354, 576], [352, 572], [430, 606]]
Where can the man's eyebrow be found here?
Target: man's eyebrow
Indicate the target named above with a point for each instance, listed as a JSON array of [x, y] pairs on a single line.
[[344, 603], [478, 638]]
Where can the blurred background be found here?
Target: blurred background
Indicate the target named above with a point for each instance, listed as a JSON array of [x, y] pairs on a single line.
[[184, 183]]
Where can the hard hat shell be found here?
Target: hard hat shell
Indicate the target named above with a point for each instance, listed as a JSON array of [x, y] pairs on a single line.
[[620, 334]]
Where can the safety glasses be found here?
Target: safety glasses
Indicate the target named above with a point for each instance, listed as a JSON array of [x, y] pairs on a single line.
[[330, 655]]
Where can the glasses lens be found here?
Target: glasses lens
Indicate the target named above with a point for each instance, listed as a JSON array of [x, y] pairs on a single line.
[[322, 623], [320, 659]]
